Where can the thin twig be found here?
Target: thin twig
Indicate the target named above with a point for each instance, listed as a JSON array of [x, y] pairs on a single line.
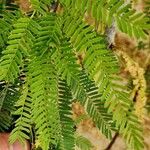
[[112, 141], [56, 6], [3, 95]]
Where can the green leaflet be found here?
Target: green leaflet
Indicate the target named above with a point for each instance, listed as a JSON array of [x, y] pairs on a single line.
[[106, 11], [8, 97], [67, 141], [95, 106], [78, 81], [20, 42], [7, 19], [101, 64], [23, 123], [74, 27], [66, 61], [83, 143], [44, 94], [7, 6], [41, 6], [49, 33], [5, 121]]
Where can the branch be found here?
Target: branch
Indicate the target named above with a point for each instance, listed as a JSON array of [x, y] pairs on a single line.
[[112, 141], [55, 6]]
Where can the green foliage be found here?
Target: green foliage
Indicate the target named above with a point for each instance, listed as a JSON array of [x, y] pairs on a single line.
[[7, 20], [66, 61], [44, 94], [41, 6], [8, 97], [7, 5], [23, 123], [101, 65], [48, 34], [5, 121], [67, 124], [83, 143], [44, 48], [107, 11], [87, 94], [95, 107], [20, 42]]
